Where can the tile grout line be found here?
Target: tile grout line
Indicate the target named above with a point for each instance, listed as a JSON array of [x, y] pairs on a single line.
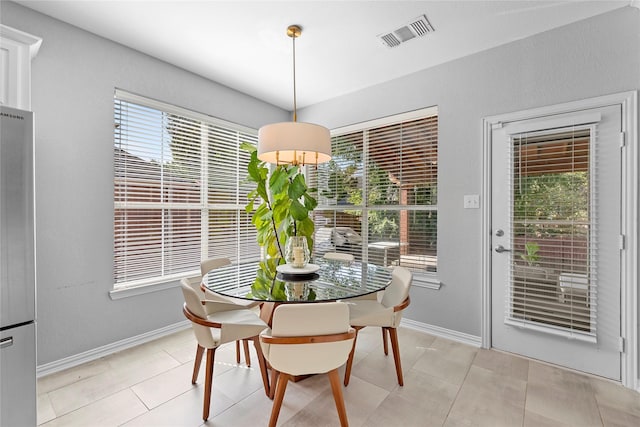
[[459, 389]]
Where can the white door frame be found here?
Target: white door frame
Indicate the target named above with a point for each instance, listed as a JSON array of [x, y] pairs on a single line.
[[629, 209]]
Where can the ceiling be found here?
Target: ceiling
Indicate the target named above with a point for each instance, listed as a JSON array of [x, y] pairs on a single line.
[[243, 44]]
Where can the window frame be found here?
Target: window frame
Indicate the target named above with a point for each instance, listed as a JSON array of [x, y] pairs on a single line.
[[421, 279], [205, 206]]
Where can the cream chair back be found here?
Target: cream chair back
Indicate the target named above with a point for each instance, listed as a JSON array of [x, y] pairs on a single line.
[[203, 334], [299, 320], [212, 263], [398, 289]]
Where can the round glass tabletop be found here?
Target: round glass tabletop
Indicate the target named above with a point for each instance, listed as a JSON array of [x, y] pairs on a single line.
[[330, 281]]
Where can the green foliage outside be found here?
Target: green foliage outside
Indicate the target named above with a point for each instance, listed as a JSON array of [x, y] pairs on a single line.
[[385, 224], [550, 206], [543, 201], [280, 203]]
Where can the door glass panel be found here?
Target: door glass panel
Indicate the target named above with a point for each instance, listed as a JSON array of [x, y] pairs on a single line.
[[552, 282]]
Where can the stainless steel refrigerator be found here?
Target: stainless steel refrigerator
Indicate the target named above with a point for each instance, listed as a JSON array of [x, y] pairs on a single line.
[[17, 270]]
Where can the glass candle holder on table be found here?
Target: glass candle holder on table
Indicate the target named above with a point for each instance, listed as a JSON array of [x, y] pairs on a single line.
[[297, 252]]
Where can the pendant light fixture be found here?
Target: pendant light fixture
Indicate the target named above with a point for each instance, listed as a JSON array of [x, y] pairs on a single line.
[[293, 142]]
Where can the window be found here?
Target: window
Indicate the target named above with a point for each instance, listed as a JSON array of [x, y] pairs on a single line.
[[554, 276], [377, 197], [178, 191]]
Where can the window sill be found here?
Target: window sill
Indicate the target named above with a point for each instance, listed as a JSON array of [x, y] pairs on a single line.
[[426, 281], [133, 291]]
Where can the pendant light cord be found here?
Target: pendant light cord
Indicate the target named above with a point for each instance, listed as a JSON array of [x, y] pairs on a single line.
[[295, 107]]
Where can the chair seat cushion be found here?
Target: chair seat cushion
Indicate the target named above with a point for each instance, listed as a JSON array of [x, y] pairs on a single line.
[[245, 303], [237, 324], [370, 313]]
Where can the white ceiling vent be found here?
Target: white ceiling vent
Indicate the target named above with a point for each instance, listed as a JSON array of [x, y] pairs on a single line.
[[415, 28]]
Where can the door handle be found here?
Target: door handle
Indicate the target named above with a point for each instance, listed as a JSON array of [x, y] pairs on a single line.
[[501, 249], [6, 342]]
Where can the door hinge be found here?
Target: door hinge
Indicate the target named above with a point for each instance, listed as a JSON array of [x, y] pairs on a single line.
[[622, 140], [621, 344], [622, 242]]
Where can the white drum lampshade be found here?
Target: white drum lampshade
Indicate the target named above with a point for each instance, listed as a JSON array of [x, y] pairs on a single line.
[[294, 143]]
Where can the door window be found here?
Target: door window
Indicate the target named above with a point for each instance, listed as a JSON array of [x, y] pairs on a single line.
[[553, 278]]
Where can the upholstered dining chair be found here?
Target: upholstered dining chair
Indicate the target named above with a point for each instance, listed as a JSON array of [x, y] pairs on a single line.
[[215, 323], [386, 313], [308, 339], [211, 264]]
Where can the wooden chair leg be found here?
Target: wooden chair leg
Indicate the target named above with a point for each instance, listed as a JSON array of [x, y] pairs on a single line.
[[384, 341], [262, 363], [238, 352], [197, 363], [208, 383], [281, 386], [247, 357], [393, 333], [334, 378], [347, 371], [274, 381]]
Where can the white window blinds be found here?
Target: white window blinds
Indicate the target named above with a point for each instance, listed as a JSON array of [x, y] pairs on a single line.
[[553, 270], [378, 195], [177, 191]]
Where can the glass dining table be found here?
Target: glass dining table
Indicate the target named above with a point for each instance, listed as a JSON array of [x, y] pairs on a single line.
[[323, 281]]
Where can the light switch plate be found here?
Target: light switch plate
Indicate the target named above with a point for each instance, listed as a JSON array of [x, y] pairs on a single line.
[[471, 201]]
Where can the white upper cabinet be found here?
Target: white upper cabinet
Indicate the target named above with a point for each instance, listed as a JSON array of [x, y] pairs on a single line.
[[17, 49]]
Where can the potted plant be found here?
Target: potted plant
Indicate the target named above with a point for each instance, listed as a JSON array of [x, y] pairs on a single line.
[[531, 256], [280, 203], [532, 269]]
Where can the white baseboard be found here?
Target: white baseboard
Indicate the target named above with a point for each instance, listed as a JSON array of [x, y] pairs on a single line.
[[442, 332], [96, 353]]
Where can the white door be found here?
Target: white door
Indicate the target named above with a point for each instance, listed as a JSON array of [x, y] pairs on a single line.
[[556, 239]]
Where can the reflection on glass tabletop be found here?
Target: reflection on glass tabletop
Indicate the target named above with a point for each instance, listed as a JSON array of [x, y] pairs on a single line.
[[332, 281]]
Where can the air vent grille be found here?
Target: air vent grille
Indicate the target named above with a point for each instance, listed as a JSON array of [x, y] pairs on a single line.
[[421, 26], [390, 40], [415, 28]]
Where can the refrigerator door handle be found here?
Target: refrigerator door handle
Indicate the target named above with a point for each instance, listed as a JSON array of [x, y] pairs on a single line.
[[6, 342]]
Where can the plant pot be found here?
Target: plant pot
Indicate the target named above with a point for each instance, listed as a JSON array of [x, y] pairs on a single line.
[[532, 272]]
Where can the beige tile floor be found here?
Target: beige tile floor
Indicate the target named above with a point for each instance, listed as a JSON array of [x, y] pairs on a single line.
[[446, 384]]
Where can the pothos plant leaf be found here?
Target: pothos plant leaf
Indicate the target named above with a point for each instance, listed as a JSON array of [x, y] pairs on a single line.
[[281, 209], [309, 202], [297, 188], [298, 211], [248, 147], [278, 180], [306, 228]]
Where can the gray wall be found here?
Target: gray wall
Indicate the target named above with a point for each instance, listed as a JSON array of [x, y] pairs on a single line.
[[594, 57], [73, 79]]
